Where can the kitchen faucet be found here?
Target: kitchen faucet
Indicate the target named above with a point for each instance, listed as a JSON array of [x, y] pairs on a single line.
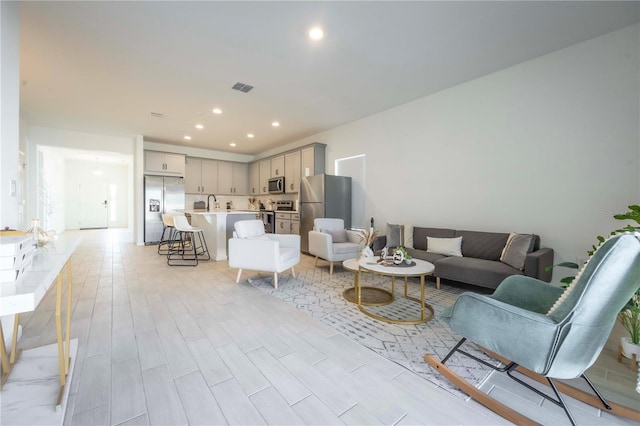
[[209, 198]]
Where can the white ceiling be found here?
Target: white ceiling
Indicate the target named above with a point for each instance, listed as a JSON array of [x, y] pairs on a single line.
[[102, 67]]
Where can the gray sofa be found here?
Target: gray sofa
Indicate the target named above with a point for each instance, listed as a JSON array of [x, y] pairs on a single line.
[[480, 262]]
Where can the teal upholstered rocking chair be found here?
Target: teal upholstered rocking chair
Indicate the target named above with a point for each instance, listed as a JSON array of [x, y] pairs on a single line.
[[551, 332]]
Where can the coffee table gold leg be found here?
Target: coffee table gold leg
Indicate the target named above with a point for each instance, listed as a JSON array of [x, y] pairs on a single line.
[[421, 297], [393, 287]]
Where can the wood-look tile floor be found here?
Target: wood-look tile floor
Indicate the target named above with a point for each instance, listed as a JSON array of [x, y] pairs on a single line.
[[168, 345]]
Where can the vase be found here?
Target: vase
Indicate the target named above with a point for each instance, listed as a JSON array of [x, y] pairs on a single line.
[[629, 348], [367, 252]]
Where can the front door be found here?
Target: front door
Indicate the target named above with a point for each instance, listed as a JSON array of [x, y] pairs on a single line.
[[94, 207]]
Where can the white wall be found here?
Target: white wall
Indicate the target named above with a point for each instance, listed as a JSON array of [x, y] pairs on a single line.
[[79, 172], [9, 115], [51, 190], [550, 146]]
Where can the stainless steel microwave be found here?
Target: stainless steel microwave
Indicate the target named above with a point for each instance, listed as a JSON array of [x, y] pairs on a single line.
[[276, 185]]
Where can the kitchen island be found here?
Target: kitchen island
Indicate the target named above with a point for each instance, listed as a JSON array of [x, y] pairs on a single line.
[[218, 227]]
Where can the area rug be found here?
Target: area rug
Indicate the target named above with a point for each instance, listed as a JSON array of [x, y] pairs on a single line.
[[320, 295]]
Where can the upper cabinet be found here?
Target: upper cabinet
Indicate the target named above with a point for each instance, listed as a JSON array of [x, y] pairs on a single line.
[[164, 163], [293, 165], [312, 161], [277, 166], [292, 172], [254, 179], [265, 174], [201, 176], [232, 178]]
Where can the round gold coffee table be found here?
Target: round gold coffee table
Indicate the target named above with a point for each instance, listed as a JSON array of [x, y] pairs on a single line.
[[370, 296], [420, 268]]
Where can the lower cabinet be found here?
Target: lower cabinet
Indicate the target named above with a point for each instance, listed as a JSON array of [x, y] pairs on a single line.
[[287, 223]]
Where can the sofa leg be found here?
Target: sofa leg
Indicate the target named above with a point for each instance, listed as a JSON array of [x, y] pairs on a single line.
[[438, 283], [316, 264], [331, 268], [293, 273], [238, 277], [275, 280]]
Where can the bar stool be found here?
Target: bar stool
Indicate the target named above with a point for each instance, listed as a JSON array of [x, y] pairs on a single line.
[[187, 242], [167, 221]]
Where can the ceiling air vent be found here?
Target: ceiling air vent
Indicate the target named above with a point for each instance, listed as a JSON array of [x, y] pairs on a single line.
[[242, 87], [157, 114]]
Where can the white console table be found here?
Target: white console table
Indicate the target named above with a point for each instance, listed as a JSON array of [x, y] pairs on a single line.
[[26, 383]]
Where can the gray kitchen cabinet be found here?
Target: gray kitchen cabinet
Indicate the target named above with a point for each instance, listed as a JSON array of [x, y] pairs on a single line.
[[287, 223], [312, 160], [240, 178], [201, 176], [232, 178], [292, 172], [265, 174], [277, 166], [164, 163], [254, 179]]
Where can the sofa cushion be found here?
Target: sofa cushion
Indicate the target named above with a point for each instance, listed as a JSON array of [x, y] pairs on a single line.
[[344, 248], [408, 236], [485, 273], [395, 235], [287, 254], [482, 245], [446, 246], [337, 235], [423, 255], [420, 235], [516, 249]]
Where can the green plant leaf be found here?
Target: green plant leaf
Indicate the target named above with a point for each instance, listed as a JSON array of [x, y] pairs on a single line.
[[567, 280], [600, 238]]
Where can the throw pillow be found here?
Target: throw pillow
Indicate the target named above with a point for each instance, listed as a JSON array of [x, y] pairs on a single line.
[[337, 235], [408, 236], [516, 249], [395, 235], [445, 246]]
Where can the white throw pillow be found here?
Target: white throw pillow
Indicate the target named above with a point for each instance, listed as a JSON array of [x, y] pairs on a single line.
[[445, 246], [408, 236]]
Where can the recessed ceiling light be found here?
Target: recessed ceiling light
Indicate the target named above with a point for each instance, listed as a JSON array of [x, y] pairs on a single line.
[[217, 111], [188, 138], [275, 124], [232, 144], [250, 135], [316, 33], [199, 126]]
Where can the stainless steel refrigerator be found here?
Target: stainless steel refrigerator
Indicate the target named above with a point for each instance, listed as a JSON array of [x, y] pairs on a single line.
[[161, 195], [323, 196]]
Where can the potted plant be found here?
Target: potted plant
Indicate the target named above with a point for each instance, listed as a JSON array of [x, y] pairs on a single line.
[[629, 317], [630, 320], [402, 254]]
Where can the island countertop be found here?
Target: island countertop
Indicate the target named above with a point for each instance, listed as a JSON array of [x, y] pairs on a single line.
[[219, 212], [217, 227]]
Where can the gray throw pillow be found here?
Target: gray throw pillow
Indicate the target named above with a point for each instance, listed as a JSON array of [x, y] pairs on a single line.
[[395, 235], [516, 249], [337, 235]]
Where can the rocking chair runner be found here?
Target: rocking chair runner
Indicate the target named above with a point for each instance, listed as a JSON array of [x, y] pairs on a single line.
[[543, 330]]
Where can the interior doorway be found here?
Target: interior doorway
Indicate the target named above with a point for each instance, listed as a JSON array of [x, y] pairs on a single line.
[[94, 205]]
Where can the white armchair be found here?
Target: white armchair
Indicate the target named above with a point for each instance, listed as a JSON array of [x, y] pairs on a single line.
[[250, 248], [348, 244]]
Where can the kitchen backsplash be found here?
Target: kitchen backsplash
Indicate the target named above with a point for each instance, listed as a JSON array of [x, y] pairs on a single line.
[[239, 202]]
